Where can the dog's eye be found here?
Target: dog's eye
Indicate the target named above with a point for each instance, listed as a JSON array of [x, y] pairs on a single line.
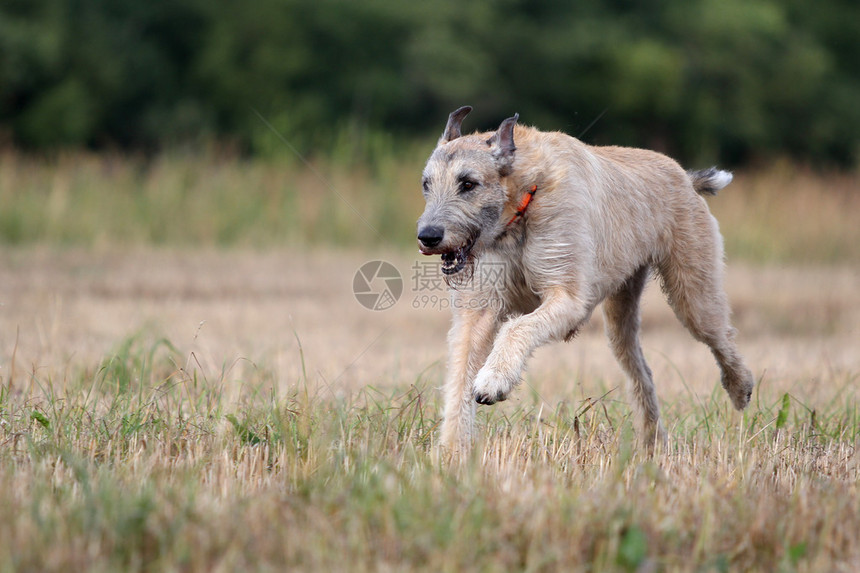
[[467, 185], [425, 185]]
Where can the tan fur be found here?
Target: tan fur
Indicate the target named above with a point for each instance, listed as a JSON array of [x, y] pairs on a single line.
[[602, 217]]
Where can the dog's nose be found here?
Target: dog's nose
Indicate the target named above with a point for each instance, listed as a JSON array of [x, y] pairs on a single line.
[[431, 236]]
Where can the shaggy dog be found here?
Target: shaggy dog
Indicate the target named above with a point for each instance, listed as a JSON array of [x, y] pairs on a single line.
[[535, 229]]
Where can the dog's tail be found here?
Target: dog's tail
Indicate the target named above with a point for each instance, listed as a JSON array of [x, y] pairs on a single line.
[[709, 181]]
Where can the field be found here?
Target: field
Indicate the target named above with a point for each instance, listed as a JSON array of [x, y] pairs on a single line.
[[187, 383]]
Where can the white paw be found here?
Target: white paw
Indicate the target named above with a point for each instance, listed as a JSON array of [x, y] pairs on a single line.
[[491, 386]]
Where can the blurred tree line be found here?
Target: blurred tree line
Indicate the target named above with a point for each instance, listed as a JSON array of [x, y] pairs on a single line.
[[730, 80]]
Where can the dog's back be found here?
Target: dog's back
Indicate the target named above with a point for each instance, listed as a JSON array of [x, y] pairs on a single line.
[[603, 212]]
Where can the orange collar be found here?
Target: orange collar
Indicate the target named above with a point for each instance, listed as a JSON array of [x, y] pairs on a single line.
[[521, 210]]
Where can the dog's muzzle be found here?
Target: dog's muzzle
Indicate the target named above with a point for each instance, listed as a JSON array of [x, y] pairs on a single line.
[[453, 260]]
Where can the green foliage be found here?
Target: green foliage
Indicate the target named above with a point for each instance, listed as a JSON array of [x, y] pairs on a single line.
[[125, 370], [41, 418], [243, 431], [796, 552], [736, 80], [633, 548], [782, 416]]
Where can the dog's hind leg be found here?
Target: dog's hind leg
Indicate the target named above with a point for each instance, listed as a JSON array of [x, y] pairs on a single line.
[[469, 343], [692, 278], [621, 313]]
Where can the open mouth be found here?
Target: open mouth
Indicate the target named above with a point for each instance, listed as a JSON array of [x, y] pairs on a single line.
[[454, 261]]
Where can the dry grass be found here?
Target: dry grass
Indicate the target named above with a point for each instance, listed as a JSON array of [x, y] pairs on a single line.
[[789, 214], [212, 411], [158, 481]]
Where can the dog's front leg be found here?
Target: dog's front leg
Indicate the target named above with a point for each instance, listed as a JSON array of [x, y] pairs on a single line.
[[469, 343], [557, 316]]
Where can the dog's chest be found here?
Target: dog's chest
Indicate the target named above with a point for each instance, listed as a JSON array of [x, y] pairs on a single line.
[[502, 276]]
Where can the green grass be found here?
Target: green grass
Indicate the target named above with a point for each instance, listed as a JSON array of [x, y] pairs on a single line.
[[87, 200], [782, 214], [140, 463]]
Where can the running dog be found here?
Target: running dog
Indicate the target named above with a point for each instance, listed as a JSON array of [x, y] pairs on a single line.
[[535, 229]]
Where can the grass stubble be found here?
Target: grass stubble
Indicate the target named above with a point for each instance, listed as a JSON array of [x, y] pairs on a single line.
[[143, 464], [147, 458]]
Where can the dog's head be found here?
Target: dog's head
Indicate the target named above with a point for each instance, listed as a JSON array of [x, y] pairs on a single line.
[[464, 190]]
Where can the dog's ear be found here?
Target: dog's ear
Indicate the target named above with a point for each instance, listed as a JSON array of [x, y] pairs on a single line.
[[455, 119], [502, 144]]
